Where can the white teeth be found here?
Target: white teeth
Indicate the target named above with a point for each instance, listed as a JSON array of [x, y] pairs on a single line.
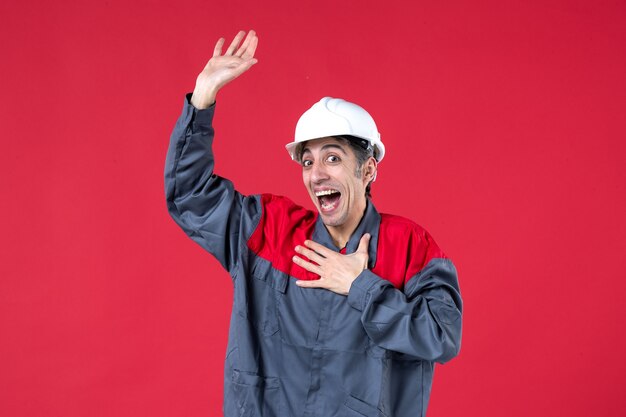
[[325, 192]]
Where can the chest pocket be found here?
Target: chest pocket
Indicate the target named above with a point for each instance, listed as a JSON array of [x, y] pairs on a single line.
[[257, 294]]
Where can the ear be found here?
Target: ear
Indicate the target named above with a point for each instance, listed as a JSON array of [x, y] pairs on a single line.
[[370, 168]]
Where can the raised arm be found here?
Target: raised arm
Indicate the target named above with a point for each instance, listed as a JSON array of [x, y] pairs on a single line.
[[206, 206]]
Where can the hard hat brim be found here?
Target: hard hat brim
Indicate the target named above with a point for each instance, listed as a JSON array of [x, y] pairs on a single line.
[[292, 146]]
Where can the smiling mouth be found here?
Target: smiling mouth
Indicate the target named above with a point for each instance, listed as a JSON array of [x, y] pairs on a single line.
[[328, 199]]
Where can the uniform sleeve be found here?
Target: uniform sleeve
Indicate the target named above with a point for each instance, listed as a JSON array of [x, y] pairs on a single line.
[[206, 206], [423, 321]]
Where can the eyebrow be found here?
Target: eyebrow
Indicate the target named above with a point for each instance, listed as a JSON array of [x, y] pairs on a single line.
[[325, 147]]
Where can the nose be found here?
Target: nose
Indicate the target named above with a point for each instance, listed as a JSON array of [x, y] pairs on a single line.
[[318, 173]]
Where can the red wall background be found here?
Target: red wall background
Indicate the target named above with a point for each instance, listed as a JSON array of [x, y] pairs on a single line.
[[505, 127]]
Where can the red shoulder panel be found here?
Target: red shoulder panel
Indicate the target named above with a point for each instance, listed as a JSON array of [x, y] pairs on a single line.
[[283, 225], [404, 248]]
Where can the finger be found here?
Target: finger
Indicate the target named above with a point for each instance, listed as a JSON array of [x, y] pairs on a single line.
[[218, 47], [312, 255], [364, 243], [247, 64], [243, 67], [321, 249], [235, 42], [245, 43], [316, 283], [307, 265], [249, 52]]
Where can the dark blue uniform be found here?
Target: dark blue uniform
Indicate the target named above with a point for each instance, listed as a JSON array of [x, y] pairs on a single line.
[[306, 352]]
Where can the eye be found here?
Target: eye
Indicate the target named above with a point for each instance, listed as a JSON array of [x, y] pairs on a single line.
[[333, 158], [307, 163]]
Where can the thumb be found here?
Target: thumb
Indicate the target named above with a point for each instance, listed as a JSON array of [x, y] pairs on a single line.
[[364, 243]]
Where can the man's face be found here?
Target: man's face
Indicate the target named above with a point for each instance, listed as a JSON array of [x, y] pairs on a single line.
[[329, 172]]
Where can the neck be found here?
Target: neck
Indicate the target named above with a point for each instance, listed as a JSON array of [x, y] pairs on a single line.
[[341, 234]]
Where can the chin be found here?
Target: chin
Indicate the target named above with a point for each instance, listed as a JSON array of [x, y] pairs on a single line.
[[332, 221]]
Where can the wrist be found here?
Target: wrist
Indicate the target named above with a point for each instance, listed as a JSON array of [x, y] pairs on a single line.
[[203, 100]]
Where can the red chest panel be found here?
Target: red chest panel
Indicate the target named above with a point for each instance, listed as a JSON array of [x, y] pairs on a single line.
[[404, 248]]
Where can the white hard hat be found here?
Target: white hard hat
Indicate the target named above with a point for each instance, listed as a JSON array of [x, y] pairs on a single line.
[[337, 117]]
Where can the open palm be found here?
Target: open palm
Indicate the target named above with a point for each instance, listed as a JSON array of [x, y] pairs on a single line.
[[223, 68]]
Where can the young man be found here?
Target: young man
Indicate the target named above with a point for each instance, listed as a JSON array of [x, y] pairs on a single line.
[[338, 312]]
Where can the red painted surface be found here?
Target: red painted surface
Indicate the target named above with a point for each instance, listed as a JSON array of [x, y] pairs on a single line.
[[504, 126]]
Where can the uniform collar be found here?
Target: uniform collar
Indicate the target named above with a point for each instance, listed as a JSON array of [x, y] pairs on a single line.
[[370, 223]]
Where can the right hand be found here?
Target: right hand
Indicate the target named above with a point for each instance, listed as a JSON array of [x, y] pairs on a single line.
[[222, 69]]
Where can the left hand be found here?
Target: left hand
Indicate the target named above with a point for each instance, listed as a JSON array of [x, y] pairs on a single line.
[[336, 271]]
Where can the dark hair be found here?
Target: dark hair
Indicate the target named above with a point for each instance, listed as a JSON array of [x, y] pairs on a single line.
[[362, 155]]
